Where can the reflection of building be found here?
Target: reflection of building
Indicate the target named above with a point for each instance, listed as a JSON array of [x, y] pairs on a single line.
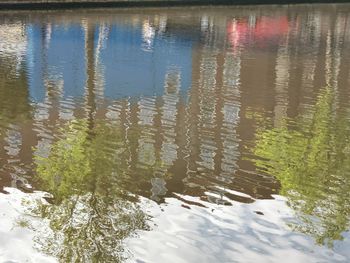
[[13, 43], [186, 104], [15, 106], [263, 30]]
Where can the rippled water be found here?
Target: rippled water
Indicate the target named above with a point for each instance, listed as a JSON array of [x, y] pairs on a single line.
[[175, 135]]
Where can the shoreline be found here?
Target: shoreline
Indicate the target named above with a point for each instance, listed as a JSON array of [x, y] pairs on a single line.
[[62, 4]]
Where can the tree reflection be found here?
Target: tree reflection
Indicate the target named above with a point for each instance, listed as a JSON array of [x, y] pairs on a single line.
[[90, 212], [310, 157]]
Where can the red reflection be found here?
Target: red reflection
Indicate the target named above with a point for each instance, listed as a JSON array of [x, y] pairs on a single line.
[[265, 29]]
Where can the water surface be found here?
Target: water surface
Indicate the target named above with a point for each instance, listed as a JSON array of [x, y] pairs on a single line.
[[175, 135]]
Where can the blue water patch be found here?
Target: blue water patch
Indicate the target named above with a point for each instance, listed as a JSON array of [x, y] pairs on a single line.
[[125, 61]]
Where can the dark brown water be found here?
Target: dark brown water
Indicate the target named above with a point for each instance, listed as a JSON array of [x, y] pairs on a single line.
[[175, 135]]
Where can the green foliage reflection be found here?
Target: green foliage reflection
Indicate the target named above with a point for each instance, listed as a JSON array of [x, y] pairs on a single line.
[[91, 213], [310, 157]]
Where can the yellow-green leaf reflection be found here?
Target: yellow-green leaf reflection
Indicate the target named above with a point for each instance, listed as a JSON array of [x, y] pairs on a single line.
[[90, 212], [310, 157]]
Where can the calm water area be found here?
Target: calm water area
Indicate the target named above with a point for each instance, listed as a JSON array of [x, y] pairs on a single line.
[[188, 134]]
